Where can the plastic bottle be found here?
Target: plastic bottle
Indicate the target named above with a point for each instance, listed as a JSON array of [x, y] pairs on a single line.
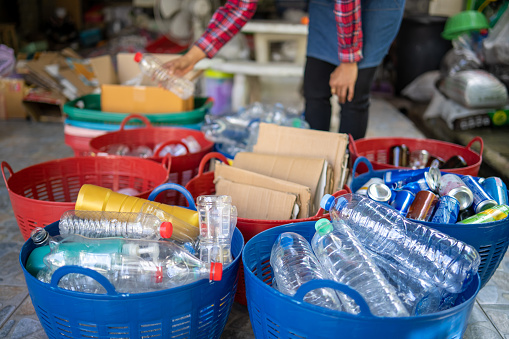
[[101, 224], [349, 263], [293, 264], [132, 266], [425, 252], [418, 295], [153, 68], [217, 220], [96, 198]]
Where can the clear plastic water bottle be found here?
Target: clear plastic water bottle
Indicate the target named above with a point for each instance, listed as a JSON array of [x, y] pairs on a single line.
[[418, 295], [153, 67], [132, 266], [293, 264], [348, 262], [217, 221], [425, 252], [101, 224]]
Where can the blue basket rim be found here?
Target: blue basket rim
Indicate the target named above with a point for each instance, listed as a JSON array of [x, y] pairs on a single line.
[[288, 227], [119, 296]]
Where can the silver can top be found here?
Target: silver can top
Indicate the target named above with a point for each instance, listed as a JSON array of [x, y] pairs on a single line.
[[379, 192], [464, 196]]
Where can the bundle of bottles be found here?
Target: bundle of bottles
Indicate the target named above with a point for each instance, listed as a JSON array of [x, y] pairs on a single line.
[[400, 268], [186, 145], [428, 195], [238, 132], [143, 251]]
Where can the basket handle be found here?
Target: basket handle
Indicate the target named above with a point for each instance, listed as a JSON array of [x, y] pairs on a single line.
[[176, 187], [208, 104], [351, 141], [166, 162], [336, 194], [319, 283], [170, 142], [101, 279], [477, 138], [209, 156], [144, 119], [363, 160], [5, 165]]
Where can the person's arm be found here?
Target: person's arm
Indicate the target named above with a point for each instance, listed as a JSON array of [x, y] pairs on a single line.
[[349, 30], [226, 22]]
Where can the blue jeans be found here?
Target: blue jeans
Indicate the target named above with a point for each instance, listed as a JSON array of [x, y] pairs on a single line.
[[381, 20]]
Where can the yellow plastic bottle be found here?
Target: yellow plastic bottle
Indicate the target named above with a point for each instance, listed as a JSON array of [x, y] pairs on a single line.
[[96, 198]]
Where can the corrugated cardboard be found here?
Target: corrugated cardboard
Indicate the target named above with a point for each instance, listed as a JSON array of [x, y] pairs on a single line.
[[11, 99], [241, 176], [282, 140], [314, 173], [261, 203], [146, 98]]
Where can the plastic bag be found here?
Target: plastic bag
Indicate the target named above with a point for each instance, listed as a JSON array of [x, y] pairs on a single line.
[[496, 45], [475, 89]]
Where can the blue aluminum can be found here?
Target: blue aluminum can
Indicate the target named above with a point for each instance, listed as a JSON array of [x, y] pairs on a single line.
[[402, 201], [482, 200], [403, 176], [447, 210], [416, 186], [496, 188]]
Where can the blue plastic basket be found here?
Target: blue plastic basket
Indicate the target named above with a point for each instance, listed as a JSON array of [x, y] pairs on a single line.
[[489, 239], [275, 315], [197, 310]]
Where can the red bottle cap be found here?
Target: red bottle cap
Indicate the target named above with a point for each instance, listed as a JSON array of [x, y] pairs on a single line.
[[138, 56], [216, 271], [166, 230]]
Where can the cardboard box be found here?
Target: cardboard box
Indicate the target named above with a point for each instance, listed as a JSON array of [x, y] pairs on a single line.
[[282, 140], [314, 173], [241, 176], [262, 202], [12, 92], [117, 97]]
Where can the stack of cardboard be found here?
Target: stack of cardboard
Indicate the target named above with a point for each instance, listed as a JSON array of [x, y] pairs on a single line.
[[287, 173]]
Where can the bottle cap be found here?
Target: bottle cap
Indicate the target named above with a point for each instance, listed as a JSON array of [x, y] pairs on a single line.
[[39, 236], [138, 56], [166, 229], [326, 201], [216, 271], [323, 226]]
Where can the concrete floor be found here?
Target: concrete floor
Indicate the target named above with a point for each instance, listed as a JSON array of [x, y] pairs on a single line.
[[23, 144]]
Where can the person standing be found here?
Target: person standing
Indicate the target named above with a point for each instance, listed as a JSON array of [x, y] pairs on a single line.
[[347, 40]]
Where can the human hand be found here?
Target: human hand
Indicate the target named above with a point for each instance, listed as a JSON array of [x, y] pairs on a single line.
[[184, 64], [342, 81]]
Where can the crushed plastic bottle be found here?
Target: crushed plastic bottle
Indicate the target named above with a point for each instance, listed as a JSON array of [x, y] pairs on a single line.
[[218, 218], [426, 253], [153, 67], [132, 266], [293, 264], [349, 263]]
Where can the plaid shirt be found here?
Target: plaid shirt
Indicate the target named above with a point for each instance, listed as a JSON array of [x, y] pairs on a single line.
[[230, 18]]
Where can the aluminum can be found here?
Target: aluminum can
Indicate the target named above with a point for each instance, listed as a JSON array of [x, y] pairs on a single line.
[[398, 155], [364, 189], [419, 158], [466, 213], [402, 201], [495, 213], [456, 161], [416, 186], [402, 176], [423, 205], [496, 188], [452, 185], [380, 192], [446, 211], [439, 161], [482, 200]]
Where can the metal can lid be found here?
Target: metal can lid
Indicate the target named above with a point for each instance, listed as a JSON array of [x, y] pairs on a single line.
[[432, 178], [484, 205], [464, 195], [379, 192]]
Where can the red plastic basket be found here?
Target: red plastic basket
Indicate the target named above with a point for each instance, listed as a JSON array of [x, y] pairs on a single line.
[[203, 184], [183, 167], [41, 193], [376, 150]]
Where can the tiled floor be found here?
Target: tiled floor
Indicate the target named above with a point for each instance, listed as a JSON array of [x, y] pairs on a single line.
[[23, 144]]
